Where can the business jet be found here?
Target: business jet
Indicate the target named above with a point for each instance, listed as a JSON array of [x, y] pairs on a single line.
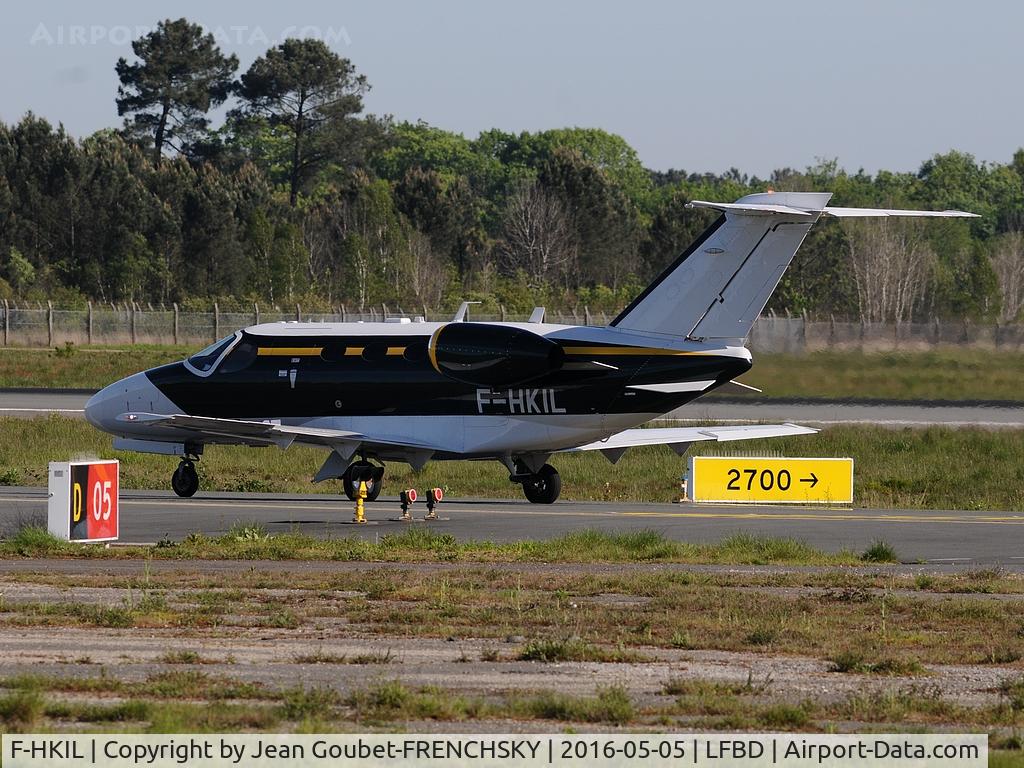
[[518, 393]]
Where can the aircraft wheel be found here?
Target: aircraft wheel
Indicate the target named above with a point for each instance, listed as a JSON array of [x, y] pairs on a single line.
[[543, 487], [367, 472], [185, 480]]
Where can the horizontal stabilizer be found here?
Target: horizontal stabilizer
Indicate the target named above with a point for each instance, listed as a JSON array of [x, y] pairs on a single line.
[[845, 213], [755, 209], [717, 288]]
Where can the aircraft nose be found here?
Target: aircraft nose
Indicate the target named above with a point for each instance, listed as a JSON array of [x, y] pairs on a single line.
[[134, 393], [103, 407]]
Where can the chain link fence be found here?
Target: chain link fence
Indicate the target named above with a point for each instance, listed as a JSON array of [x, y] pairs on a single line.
[[44, 325]]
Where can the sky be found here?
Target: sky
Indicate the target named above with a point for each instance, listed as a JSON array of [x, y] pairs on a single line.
[[695, 86]]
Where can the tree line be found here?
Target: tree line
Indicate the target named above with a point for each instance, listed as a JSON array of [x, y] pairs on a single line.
[[299, 196]]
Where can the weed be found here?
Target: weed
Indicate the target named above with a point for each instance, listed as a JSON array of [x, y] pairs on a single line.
[[372, 657], [761, 636], [575, 650], [35, 541], [880, 552], [22, 708], [302, 703], [611, 705], [65, 352], [784, 716], [1004, 654], [854, 661], [848, 661], [181, 657], [924, 581], [248, 531], [280, 619]]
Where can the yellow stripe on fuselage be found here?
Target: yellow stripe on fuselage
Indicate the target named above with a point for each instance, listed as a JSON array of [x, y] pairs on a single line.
[[354, 351], [288, 351], [396, 351]]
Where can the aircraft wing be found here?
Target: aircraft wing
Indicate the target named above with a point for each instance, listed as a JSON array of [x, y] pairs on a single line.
[[679, 438], [241, 431]]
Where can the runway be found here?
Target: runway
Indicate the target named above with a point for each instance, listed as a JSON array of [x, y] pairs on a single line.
[[957, 537], [26, 403]]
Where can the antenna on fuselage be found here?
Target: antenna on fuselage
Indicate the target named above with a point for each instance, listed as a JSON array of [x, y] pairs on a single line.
[[537, 316], [463, 311]]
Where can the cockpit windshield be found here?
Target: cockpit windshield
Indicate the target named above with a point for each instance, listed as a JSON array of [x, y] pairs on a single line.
[[205, 360]]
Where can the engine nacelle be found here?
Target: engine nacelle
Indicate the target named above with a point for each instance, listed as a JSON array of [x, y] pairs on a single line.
[[492, 355]]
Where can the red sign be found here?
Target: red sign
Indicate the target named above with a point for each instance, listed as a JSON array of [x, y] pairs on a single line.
[[92, 501]]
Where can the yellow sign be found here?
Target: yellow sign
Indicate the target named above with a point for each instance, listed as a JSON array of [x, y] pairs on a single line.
[[771, 481]]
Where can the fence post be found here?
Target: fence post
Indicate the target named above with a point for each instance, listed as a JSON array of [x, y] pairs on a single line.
[[383, 311], [586, 314], [132, 320], [175, 305], [344, 314], [49, 323], [298, 313], [255, 313], [501, 308], [216, 321], [7, 322], [88, 332]]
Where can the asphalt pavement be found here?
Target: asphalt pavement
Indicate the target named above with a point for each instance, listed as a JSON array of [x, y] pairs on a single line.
[[974, 537]]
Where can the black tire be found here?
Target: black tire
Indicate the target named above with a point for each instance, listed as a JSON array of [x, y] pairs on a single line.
[[543, 487], [365, 471], [185, 480]]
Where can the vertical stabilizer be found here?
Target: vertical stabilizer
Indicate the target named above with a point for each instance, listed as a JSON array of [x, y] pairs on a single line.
[[718, 287]]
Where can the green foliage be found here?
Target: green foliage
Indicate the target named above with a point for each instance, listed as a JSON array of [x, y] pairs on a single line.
[[180, 75], [300, 197], [880, 552], [20, 272]]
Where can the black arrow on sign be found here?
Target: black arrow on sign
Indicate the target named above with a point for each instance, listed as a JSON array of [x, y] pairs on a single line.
[[813, 479]]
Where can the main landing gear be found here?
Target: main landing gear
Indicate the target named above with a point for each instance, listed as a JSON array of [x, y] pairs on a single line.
[[540, 487], [370, 474]]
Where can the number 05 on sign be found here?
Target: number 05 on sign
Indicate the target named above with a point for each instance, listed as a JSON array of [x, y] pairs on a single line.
[[771, 481], [83, 500]]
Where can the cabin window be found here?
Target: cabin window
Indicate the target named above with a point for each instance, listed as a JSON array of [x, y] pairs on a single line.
[[375, 351], [415, 353], [240, 358]]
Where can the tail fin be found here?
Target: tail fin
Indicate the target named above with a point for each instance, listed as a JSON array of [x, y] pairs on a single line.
[[717, 288]]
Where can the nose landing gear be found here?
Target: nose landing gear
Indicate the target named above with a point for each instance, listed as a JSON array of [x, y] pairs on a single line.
[[372, 475], [185, 480]]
